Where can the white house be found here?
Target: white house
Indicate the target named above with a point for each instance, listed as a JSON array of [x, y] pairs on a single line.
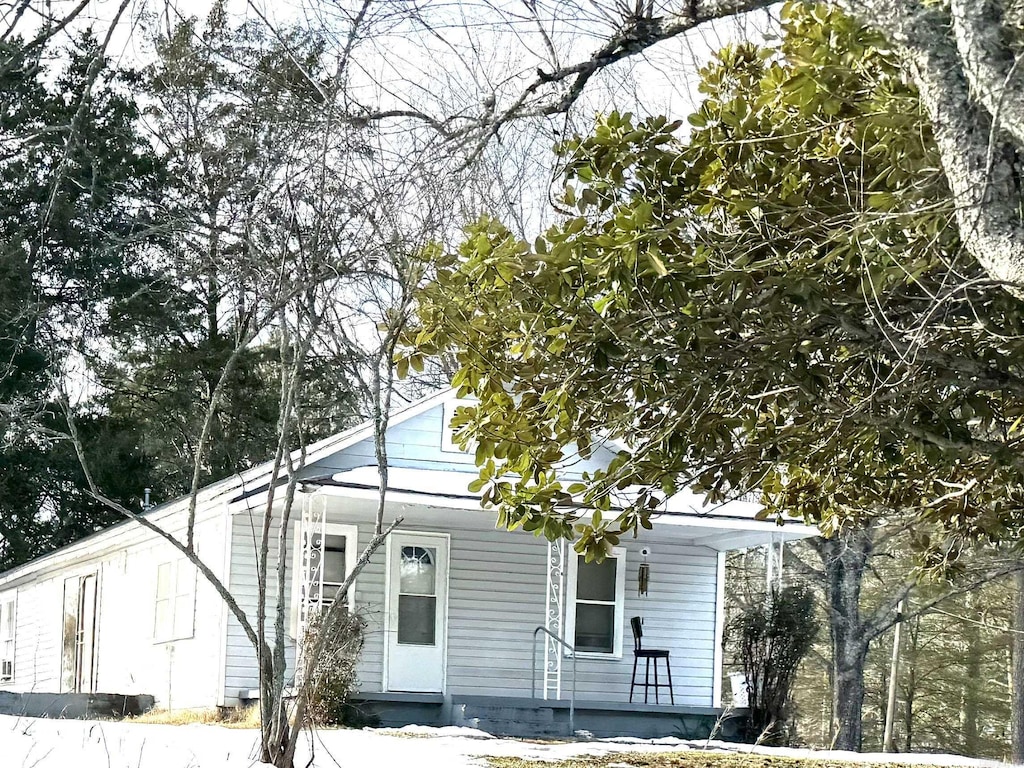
[[461, 617]]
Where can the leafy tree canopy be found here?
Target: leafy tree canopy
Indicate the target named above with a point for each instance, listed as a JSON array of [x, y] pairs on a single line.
[[78, 183], [778, 302]]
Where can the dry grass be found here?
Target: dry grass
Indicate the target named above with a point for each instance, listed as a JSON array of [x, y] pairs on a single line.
[[691, 759], [248, 717]]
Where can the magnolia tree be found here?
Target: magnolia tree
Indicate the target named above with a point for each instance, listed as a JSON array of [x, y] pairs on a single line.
[[779, 303]]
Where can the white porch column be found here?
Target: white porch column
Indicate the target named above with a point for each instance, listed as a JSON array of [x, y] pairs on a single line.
[[553, 619], [311, 539], [773, 563]]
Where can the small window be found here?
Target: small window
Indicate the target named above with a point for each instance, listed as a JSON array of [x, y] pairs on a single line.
[[8, 626], [448, 442], [175, 601], [597, 596], [330, 557], [321, 567]]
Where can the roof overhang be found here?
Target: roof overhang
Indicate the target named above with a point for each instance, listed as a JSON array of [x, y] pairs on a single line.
[[728, 526]]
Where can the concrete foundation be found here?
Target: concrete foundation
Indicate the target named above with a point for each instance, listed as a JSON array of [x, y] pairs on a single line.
[[534, 718], [74, 706]]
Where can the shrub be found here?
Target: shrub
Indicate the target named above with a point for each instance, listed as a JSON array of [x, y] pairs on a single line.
[[333, 678], [772, 639]]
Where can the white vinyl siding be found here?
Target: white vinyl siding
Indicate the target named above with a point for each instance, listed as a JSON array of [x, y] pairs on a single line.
[[184, 673]]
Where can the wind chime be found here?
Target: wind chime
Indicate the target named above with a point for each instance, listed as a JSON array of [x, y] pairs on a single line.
[[644, 576]]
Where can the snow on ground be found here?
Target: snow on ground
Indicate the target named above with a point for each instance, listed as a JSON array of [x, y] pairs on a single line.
[[36, 743]]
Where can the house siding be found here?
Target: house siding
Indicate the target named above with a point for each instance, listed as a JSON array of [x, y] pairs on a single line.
[[497, 598], [416, 443], [183, 673]]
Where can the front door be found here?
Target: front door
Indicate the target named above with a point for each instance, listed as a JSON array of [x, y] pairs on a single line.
[[78, 651], [417, 612]]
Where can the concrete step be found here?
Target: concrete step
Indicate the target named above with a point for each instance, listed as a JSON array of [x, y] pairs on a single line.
[[504, 720]]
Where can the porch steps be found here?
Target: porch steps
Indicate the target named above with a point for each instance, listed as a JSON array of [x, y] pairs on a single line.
[[507, 717]]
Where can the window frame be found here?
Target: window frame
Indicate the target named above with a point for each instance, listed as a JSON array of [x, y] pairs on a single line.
[[619, 554], [351, 534], [8, 606], [169, 635]]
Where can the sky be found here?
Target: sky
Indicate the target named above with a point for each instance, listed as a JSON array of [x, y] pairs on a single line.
[[457, 53]]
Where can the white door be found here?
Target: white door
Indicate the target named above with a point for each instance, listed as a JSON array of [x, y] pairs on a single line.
[[417, 612]]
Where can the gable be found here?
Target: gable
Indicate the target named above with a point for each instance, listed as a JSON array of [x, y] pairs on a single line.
[[423, 441]]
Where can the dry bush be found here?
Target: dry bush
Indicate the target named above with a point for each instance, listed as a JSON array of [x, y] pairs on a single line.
[[334, 674]]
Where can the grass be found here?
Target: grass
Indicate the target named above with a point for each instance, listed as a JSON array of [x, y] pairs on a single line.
[[231, 718], [689, 759]]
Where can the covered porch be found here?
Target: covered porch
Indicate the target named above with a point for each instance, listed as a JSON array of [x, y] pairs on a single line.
[[483, 663]]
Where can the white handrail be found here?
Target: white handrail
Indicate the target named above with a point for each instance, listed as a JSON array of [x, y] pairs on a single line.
[[572, 690]]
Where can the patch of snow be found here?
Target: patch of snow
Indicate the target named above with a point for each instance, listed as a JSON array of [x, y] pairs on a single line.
[[446, 730], [36, 743]]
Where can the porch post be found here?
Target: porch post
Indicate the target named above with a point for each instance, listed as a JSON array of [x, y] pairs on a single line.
[[716, 678], [553, 619], [773, 563]]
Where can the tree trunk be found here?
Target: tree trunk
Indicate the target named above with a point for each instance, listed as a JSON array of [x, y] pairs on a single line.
[[849, 695], [910, 691], [1017, 691], [971, 699], [893, 683], [845, 558]]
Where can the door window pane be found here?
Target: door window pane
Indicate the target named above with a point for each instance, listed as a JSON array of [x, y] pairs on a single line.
[[417, 570], [596, 581], [595, 625], [416, 619]]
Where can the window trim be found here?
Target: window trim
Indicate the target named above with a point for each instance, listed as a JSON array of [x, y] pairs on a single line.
[[351, 534], [172, 601], [619, 553], [9, 598]]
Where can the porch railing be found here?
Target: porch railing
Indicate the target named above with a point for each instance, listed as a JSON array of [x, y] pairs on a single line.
[[572, 689]]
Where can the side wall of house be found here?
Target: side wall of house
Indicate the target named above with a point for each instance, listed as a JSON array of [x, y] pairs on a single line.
[[181, 673]]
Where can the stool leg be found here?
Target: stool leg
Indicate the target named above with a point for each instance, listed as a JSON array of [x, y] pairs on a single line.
[[671, 693], [647, 678], [632, 682], [657, 688]]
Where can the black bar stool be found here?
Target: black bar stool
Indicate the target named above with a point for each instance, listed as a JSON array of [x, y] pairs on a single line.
[[639, 652]]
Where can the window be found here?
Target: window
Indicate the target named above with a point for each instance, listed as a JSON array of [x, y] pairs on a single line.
[[448, 443], [329, 562], [8, 624], [417, 596], [175, 601], [596, 603]]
